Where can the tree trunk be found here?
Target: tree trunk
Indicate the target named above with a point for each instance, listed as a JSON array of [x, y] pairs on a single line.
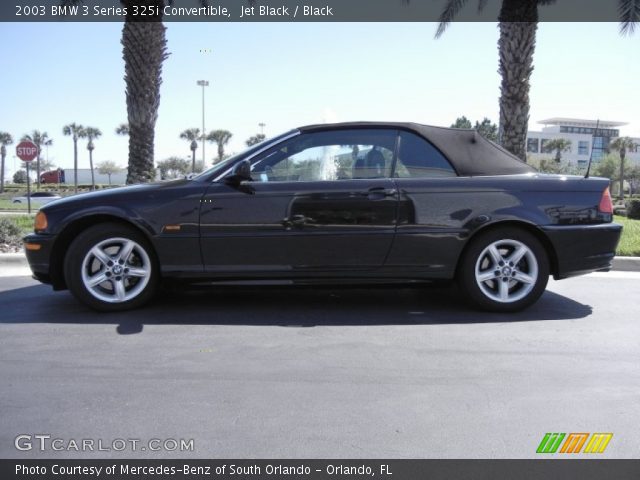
[[144, 49], [93, 181], [193, 161], [38, 168], [3, 155], [623, 154], [518, 25], [220, 152], [75, 163]]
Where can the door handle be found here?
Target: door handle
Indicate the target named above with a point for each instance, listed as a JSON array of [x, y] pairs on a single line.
[[379, 193]]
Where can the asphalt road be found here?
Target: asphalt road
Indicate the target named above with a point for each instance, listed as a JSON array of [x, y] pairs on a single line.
[[268, 372]]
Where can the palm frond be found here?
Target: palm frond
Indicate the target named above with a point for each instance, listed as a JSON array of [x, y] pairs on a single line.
[[629, 11], [451, 10]]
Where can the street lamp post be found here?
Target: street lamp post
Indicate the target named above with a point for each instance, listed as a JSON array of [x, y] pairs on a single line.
[[262, 125], [203, 83]]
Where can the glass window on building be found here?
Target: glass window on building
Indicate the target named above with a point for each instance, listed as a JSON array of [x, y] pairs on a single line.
[[543, 146], [532, 145], [583, 147]]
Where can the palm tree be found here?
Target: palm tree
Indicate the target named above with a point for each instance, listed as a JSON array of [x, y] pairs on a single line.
[[5, 139], [122, 129], [91, 134], [144, 49], [621, 145], [74, 130], [192, 135], [518, 23], [560, 145], [41, 139], [221, 137]]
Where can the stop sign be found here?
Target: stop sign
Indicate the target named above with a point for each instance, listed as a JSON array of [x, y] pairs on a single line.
[[27, 151]]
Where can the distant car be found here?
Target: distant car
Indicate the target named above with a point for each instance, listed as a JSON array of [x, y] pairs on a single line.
[[332, 204], [37, 197]]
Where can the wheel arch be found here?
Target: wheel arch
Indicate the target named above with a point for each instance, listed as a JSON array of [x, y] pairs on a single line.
[[66, 236], [526, 226]]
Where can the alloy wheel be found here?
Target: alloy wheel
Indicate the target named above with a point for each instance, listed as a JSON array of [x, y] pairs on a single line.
[[116, 270], [506, 271]]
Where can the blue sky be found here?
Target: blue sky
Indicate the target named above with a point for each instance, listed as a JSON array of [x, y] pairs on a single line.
[[286, 75]]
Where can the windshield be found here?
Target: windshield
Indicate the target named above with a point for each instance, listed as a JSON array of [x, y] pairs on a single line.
[[219, 168]]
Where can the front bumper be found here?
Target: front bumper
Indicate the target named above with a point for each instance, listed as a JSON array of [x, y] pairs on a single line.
[[40, 260], [582, 249]]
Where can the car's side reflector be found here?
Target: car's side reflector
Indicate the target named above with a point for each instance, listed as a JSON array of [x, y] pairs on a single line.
[[606, 204], [171, 228], [32, 246]]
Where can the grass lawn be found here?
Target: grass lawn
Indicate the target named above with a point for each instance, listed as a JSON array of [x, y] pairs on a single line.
[[6, 204], [24, 222], [630, 242]]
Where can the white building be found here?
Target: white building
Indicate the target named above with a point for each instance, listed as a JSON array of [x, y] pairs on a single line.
[[583, 136]]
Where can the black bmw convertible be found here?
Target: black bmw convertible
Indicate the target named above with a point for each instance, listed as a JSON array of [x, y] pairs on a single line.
[[353, 202]]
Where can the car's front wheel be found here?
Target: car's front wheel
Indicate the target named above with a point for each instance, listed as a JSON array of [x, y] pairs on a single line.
[[111, 267], [504, 270]]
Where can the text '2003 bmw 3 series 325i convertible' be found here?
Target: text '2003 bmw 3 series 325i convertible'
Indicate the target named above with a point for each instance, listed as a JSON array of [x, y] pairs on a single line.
[[354, 202]]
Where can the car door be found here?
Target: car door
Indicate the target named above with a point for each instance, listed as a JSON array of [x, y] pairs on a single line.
[[434, 206], [321, 202]]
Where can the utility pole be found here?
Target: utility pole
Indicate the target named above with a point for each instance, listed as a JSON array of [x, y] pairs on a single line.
[[203, 83]]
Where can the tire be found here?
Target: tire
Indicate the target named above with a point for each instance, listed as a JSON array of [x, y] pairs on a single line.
[[129, 277], [504, 270]]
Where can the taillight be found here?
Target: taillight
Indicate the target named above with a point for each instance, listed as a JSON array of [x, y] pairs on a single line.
[[606, 204]]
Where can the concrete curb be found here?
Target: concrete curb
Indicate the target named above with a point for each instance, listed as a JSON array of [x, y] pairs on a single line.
[[626, 264], [13, 259], [620, 264]]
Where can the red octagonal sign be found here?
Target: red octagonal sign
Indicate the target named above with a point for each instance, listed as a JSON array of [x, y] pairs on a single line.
[[27, 151]]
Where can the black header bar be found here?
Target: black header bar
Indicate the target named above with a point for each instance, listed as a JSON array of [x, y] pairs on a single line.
[[583, 469], [289, 11]]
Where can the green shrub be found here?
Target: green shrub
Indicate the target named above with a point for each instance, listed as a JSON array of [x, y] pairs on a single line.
[[9, 231], [633, 209]]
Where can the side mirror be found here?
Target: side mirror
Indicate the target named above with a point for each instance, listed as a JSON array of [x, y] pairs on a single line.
[[241, 171]]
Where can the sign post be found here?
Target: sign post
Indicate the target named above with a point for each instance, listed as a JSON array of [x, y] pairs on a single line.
[[26, 152]]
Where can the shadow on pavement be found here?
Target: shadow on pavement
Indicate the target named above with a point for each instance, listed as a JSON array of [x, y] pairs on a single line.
[[280, 306]]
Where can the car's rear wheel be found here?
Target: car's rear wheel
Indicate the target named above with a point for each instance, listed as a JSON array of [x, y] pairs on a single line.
[[504, 270], [111, 267]]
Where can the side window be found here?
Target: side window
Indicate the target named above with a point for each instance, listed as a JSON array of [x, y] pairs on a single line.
[[328, 156], [418, 158]]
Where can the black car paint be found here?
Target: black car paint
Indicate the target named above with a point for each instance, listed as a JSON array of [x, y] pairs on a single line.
[[366, 229]]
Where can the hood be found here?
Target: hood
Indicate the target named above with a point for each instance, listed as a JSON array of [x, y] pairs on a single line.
[[111, 194]]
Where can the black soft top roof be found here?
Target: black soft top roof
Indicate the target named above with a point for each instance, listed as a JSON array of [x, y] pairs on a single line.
[[469, 152]]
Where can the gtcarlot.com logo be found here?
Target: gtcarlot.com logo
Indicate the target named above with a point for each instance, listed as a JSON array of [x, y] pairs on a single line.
[[574, 442], [47, 443]]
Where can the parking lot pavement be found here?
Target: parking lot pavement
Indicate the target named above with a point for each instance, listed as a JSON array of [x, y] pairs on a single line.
[[322, 372]]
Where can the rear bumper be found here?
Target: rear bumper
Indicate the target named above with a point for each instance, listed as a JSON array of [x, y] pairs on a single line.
[[583, 249]]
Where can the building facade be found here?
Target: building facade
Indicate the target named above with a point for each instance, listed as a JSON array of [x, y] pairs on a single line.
[[584, 135]]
